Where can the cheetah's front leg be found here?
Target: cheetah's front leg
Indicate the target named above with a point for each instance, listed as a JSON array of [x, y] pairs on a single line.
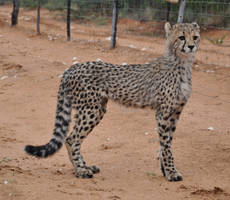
[[166, 126]]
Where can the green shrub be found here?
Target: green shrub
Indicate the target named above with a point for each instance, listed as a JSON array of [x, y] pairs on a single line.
[[28, 4], [208, 12], [55, 4]]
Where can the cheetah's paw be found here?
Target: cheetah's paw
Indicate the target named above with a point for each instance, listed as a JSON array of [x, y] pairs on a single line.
[[83, 172], [94, 169], [174, 176]]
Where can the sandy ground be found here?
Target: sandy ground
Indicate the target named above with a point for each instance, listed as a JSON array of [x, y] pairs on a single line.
[[125, 144]]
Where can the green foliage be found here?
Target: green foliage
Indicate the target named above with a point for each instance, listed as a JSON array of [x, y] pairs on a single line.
[[2, 2], [49, 4], [100, 20], [208, 12], [216, 41], [55, 4], [28, 4]]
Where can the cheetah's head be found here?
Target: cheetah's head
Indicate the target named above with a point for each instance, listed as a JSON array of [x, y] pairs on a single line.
[[182, 39]]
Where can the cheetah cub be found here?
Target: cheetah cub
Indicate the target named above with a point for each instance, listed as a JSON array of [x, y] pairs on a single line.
[[163, 85]]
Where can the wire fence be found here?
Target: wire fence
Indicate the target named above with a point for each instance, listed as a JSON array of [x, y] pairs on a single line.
[[213, 14], [209, 13]]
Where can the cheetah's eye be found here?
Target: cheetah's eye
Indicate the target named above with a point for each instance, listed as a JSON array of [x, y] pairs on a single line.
[[195, 37], [182, 37]]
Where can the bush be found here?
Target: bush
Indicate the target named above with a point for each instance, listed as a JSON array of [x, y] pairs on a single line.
[[55, 4], [28, 4], [208, 12]]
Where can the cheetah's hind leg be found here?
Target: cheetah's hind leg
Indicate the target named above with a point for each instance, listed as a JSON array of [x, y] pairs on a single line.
[[81, 171], [87, 117]]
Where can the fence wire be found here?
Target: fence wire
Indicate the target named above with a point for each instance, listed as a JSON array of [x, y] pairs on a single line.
[[209, 13], [213, 14]]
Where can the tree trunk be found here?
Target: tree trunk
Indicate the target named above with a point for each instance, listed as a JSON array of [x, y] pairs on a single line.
[[14, 14], [114, 24], [68, 19], [181, 11], [38, 16]]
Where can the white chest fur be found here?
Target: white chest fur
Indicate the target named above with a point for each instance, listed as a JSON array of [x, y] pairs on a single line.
[[186, 90], [186, 81]]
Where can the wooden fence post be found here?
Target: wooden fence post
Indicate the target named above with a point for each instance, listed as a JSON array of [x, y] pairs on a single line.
[[68, 19], [114, 24], [181, 11], [38, 16], [168, 11], [14, 14]]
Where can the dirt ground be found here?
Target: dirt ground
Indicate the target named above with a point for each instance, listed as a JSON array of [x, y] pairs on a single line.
[[125, 144]]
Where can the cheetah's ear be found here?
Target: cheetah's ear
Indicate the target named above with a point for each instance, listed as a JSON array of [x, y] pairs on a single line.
[[168, 29], [196, 26]]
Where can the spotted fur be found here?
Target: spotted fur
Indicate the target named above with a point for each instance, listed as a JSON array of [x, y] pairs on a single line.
[[163, 85]]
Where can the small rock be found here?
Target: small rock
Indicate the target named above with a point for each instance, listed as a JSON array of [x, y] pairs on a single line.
[[124, 63], [146, 133], [50, 37], [59, 171], [210, 71], [4, 77], [108, 38], [143, 49], [132, 46], [75, 58], [210, 128], [5, 182], [99, 60]]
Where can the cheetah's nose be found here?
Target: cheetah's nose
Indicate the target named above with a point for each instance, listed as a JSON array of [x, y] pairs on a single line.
[[191, 47]]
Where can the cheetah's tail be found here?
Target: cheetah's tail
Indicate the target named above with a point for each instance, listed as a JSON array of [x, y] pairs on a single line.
[[63, 118]]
